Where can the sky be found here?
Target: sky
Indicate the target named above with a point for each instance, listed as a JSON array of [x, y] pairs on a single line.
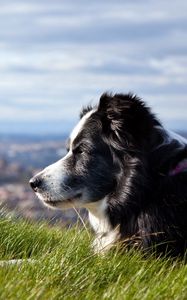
[[56, 56]]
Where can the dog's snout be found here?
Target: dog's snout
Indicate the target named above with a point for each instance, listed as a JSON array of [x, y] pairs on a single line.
[[35, 183]]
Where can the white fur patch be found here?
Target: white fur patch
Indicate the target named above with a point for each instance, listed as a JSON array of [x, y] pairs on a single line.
[[78, 128], [105, 235], [97, 216], [55, 170], [104, 243]]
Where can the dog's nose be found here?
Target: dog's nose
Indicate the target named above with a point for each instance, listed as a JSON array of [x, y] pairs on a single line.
[[35, 183]]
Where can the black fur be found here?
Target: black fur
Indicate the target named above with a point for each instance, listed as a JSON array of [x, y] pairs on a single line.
[[85, 110], [147, 202], [124, 154]]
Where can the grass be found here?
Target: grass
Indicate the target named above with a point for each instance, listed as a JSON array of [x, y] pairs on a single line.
[[64, 267]]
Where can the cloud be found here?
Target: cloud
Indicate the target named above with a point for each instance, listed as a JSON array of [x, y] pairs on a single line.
[[57, 55]]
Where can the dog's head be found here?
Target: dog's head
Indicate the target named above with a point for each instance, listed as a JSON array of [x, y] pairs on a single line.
[[105, 136]]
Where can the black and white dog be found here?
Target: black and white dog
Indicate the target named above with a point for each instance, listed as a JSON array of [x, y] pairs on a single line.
[[128, 171]]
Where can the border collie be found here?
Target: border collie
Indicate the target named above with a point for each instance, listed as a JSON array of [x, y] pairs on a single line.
[[128, 171]]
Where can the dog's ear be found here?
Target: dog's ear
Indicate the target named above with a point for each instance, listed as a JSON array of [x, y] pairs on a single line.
[[115, 108], [126, 116]]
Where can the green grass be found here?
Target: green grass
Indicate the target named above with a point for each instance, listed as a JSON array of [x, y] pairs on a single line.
[[66, 268]]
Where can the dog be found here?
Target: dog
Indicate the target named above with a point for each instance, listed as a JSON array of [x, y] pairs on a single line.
[[128, 171]]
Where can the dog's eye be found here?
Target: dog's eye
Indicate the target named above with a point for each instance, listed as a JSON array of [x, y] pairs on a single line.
[[78, 150]]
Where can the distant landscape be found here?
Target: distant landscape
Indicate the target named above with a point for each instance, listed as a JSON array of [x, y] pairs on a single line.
[[22, 156]]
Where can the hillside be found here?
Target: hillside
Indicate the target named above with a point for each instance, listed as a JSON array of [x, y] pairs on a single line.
[[62, 266]]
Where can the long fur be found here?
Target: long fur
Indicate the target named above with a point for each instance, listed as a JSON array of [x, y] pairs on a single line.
[[119, 165], [149, 205]]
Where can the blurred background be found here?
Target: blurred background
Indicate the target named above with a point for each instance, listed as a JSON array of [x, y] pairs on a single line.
[[57, 55]]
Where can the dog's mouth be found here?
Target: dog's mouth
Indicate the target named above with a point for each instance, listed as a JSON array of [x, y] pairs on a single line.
[[56, 203]]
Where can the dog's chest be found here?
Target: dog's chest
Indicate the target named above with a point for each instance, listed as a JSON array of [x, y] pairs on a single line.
[[106, 236], [99, 223]]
